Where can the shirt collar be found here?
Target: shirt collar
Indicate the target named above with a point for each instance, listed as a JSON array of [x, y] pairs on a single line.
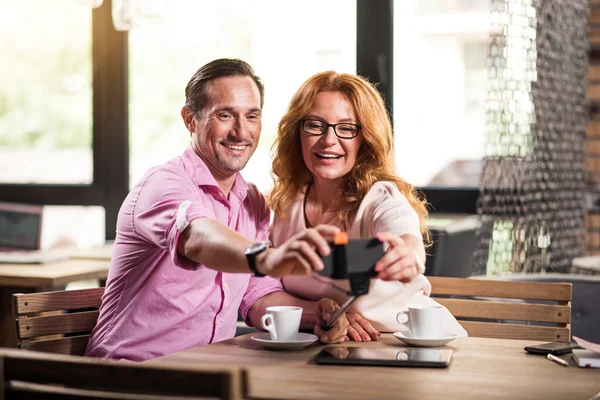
[[201, 175]]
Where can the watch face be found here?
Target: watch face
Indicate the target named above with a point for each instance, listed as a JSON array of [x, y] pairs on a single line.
[[257, 248]]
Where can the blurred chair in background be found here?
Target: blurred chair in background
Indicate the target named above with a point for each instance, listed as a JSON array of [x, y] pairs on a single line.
[[454, 241]]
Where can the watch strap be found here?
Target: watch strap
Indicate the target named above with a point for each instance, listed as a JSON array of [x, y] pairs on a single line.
[[252, 265], [251, 255]]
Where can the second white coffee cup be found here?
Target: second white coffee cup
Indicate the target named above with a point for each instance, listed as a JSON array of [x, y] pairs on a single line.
[[282, 322], [424, 322]]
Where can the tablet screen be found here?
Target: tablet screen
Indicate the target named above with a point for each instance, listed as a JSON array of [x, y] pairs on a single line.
[[385, 356]]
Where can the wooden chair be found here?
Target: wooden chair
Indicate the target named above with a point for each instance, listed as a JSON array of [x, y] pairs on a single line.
[[44, 318], [35, 375], [539, 311]]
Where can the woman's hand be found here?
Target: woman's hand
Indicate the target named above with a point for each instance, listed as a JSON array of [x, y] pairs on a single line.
[[402, 261], [360, 329], [337, 333]]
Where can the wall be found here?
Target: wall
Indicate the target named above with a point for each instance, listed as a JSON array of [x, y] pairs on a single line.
[[592, 146]]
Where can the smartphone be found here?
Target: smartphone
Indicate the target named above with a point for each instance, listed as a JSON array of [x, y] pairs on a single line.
[[391, 356], [356, 257], [554, 348]]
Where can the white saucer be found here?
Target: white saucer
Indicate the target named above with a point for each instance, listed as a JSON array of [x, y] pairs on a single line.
[[444, 338], [302, 340]]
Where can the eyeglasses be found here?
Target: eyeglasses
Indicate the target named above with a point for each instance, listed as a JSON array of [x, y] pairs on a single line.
[[315, 127]]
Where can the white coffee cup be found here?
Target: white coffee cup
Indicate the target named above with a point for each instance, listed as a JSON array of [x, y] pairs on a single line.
[[424, 322], [282, 322]]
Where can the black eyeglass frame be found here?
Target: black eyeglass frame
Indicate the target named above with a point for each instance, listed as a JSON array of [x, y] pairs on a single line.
[[334, 126]]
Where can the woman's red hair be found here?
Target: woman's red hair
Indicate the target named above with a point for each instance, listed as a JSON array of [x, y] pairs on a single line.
[[375, 159]]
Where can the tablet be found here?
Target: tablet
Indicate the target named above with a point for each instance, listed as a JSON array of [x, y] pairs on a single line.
[[385, 356]]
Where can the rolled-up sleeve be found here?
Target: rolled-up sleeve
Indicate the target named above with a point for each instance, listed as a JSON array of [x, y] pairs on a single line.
[[257, 288], [168, 202]]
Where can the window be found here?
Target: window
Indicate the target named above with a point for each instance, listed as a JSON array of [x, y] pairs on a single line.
[[440, 51], [45, 92], [54, 106], [138, 78]]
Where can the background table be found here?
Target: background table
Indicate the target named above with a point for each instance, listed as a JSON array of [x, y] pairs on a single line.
[[480, 368], [586, 265], [27, 278]]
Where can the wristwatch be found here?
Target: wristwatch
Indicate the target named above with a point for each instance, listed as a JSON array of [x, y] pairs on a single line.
[[251, 253]]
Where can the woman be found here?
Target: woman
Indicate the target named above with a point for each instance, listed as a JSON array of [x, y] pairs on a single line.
[[333, 164]]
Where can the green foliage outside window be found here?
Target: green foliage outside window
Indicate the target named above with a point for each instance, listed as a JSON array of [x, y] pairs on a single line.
[[45, 90]]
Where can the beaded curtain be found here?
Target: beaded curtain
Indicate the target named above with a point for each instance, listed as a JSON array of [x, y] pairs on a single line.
[[532, 192]]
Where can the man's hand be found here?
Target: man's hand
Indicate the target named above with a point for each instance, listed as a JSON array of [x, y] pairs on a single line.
[[337, 333], [299, 255], [360, 329]]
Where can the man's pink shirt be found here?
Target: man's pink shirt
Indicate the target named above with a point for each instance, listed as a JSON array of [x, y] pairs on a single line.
[[157, 302]]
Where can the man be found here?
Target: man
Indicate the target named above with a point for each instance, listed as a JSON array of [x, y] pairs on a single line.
[[191, 232]]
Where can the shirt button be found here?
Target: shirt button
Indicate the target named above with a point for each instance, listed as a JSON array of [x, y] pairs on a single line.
[[225, 286]]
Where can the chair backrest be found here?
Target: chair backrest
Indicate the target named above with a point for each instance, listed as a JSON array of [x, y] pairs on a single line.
[[585, 304], [35, 375], [507, 310], [43, 319]]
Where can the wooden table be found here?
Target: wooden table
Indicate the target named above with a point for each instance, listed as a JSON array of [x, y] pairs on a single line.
[[97, 253], [27, 278], [586, 265], [480, 368]]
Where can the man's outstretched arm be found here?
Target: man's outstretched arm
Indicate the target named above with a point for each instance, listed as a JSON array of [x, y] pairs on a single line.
[[215, 245]]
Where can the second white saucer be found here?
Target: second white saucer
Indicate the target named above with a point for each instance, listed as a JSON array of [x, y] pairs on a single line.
[[302, 340], [444, 338]]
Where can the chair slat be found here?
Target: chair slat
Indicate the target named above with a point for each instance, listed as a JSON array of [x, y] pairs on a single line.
[[97, 374], [74, 345], [57, 300], [507, 311], [28, 327], [501, 289], [515, 331]]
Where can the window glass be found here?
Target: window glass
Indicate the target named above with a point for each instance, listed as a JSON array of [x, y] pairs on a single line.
[[73, 226], [440, 51], [45, 91], [167, 47]]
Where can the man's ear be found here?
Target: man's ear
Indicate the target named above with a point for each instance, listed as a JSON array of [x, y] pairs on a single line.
[[188, 118]]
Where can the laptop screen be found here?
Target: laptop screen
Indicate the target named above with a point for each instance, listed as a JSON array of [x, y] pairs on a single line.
[[20, 226]]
